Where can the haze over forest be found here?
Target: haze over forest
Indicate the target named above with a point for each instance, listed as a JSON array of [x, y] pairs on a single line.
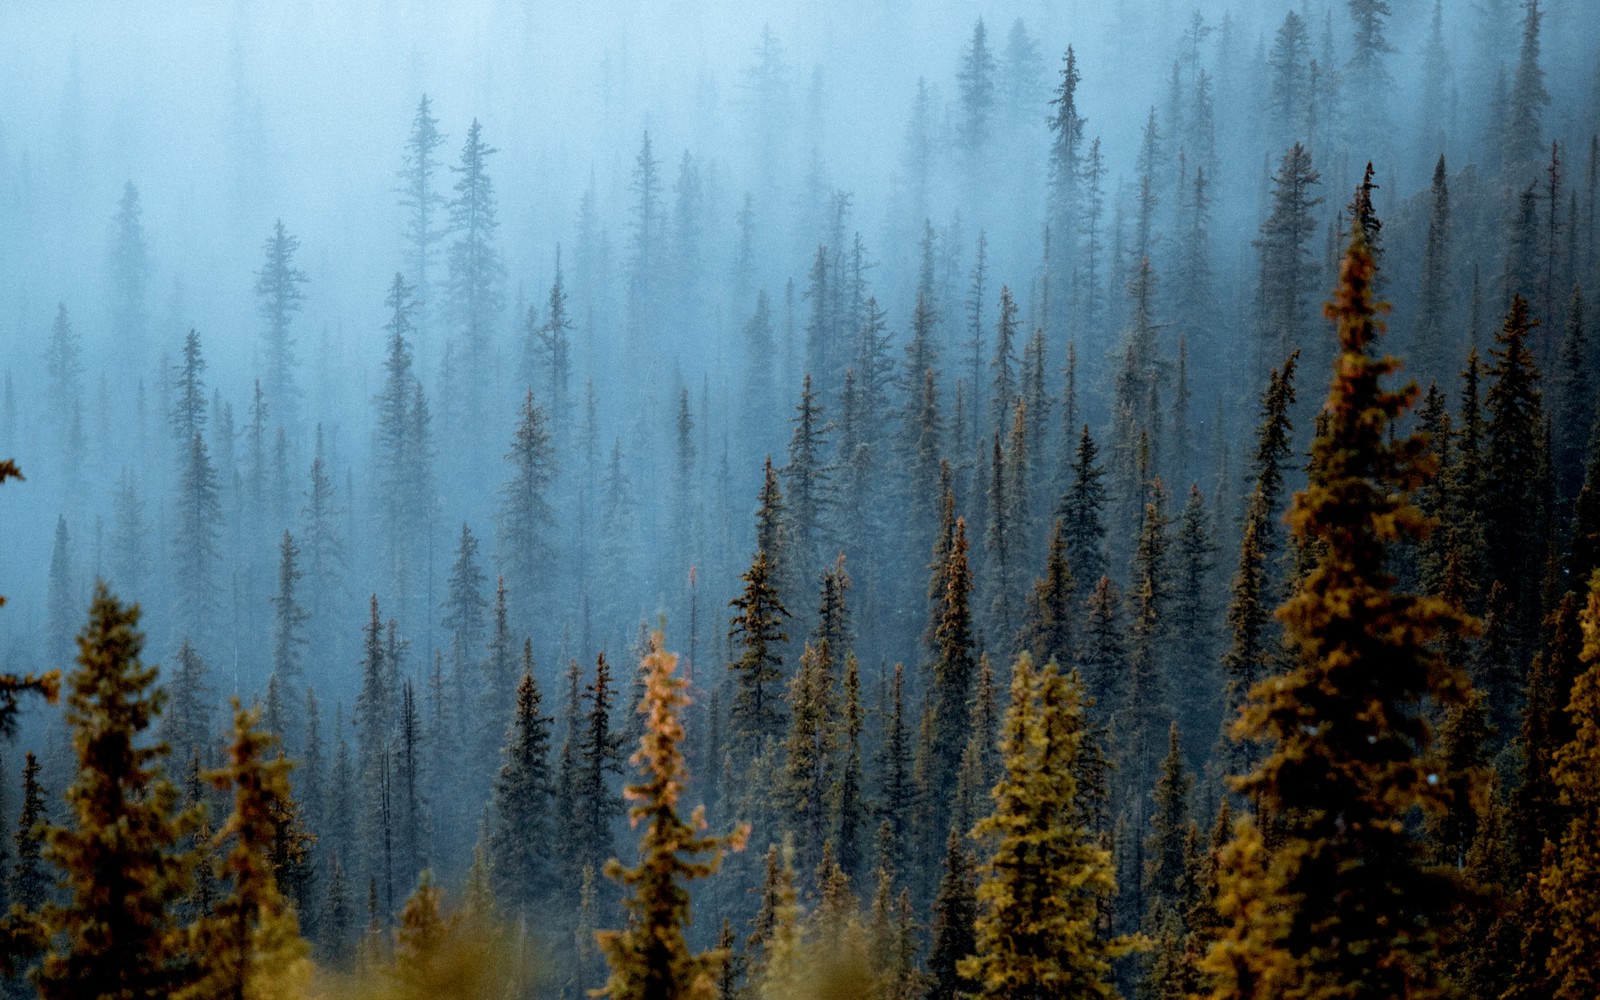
[[949, 387]]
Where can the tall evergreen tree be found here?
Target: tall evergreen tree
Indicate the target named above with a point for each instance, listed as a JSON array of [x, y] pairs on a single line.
[[114, 932], [423, 203], [1285, 265], [1045, 882], [526, 516], [278, 289], [1347, 738], [474, 268], [523, 822], [651, 957]]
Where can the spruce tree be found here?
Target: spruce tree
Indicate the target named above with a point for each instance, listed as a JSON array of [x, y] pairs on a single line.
[[1346, 726], [651, 958], [1285, 265], [423, 203], [954, 914], [278, 289], [474, 268], [525, 516], [523, 821], [1570, 886], [757, 626], [1047, 628], [123, 870], [1081, 511], [250, 942], [1044, 881]]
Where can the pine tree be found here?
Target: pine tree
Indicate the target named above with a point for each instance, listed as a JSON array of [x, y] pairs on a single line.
[[1047, 626], [1082, 510], [188, 414], [1523, 128], [1287, 63], [555, 350], [1430, 341], [1284, 247], [1044, 881], [288, 619], [250, 943], [27, 885], [977, 91], [194, 542], [474, 267], [278, 289], [954, 671], [1065, 167], [422, 201], [115, 934], [954, 914], [523, 822], [1512, 501], [599, 757], [1346, 738], [898, 800], [848, 790], [651, 958], [810, 751], [805, 477], [757, 625], [465, 610], [1570, 887], [526, 517], [130, 274]]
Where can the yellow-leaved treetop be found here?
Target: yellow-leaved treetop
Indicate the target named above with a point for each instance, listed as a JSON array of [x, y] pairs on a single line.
[[1570, 887], [1045, 880], [112, 932], [650, 959], [1328, 892], [250, 944]]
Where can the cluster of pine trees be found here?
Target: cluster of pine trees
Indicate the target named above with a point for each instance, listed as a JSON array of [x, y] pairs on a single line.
[[1055, 636]]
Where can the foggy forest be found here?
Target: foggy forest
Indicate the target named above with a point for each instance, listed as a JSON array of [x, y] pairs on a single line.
[[828, 499]]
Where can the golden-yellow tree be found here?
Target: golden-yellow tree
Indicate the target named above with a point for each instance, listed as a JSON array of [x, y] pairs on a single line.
[[1329, 892], [650, 959], [250, 944], [1570, 886], [1045, 879]]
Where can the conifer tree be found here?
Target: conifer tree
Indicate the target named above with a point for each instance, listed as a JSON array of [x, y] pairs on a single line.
[[194, 542], [809, 750], [465, 610], [423, 202], [977, 91], [129, 274], [1430, 341], [954, 915], [1523, 129], [1512, 500], [1104, 655], [599, 757], [1347, 738], [757, 625], [898, 792], [1081, 511], [848, 790], [651, 958], [1570, 887], [1287, 63], [1284, 246], [526, 517], [1047, 630], [114, 933], [523, 826], [474, 266], [805, 477], [250, 943], [288, 618], [1044, 881], [27, 885], [278, 289], [954, 671]]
